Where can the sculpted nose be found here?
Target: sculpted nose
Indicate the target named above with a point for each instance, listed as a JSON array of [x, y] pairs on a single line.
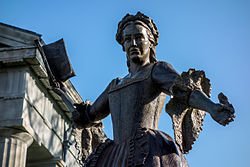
[[133, 42]]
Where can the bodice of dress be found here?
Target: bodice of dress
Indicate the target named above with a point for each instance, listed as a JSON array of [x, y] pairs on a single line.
[[134, 102]]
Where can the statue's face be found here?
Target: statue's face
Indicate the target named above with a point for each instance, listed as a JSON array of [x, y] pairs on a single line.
[[136, 43]]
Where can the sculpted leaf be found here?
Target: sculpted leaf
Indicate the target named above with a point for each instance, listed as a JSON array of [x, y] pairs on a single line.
[[187, 121], [87, 140]]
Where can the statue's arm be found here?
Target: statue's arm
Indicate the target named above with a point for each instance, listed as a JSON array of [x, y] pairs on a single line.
[[223, 113], [100, 108], [170, 81], [87, 114]]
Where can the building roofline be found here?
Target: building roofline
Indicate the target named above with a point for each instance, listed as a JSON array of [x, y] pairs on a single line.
[[21, 29]]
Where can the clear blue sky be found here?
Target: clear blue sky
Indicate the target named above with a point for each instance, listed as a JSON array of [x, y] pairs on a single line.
[[211, 35]]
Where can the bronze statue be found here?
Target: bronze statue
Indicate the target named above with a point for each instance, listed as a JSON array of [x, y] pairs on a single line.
[[136, 101]]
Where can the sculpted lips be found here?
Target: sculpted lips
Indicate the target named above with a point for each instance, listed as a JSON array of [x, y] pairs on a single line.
[[134, 51]]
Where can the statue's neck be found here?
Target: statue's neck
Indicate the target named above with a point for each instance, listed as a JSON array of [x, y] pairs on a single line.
[[135, 67]]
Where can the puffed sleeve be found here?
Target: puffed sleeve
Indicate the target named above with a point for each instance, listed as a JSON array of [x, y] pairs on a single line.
[[170, 82], [164, 76]]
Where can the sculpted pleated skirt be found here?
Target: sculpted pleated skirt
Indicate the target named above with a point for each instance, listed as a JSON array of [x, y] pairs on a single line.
[[149, 148]]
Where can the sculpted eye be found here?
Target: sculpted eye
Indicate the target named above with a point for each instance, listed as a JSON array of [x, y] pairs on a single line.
[[139, 37], [127, 39]]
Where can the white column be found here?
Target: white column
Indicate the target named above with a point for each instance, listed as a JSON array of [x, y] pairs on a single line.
[[13, 147]]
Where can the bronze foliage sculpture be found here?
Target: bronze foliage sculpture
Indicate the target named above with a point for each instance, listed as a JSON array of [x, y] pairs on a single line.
[[136, 101]]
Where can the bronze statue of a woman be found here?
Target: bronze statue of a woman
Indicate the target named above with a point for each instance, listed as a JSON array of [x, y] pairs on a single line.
[[136, 101]]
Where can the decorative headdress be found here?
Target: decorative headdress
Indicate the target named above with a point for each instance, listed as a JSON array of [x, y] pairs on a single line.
[[146, 21]]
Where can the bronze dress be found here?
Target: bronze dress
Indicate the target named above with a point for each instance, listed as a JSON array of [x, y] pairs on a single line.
[[135, 104]]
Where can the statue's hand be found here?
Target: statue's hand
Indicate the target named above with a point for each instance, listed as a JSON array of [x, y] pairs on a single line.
[[80, 116], [223, 113]]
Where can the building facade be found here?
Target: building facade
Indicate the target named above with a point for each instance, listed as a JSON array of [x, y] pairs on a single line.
[[35, 126]]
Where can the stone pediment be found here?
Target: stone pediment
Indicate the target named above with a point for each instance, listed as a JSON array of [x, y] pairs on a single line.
[[20, 49], [14, 36]]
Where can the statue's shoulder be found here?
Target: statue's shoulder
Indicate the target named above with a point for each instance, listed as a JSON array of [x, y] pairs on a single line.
[[162, 66]]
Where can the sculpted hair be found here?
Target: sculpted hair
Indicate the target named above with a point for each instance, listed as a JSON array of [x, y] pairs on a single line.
[[145, 21]]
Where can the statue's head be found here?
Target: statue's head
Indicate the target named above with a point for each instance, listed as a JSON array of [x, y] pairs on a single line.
[[136, 27]]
